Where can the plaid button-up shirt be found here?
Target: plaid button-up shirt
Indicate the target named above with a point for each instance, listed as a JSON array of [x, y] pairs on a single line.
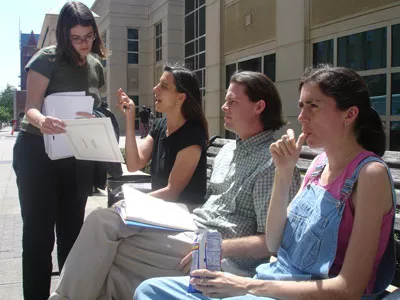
[[240, 189]]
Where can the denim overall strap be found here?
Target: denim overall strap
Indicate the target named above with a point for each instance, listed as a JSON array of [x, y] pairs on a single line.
[[348, 185], [387, 265], [310, 237]]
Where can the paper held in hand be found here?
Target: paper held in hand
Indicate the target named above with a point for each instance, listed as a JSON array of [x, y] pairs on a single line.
[[142, 210], [93, 139], [63, 106], [86, 139]]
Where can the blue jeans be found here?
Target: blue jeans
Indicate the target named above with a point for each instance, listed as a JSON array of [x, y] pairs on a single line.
[[307, 250], [170, 288]]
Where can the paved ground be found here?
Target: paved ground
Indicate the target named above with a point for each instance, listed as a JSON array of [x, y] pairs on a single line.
[[11, 224]]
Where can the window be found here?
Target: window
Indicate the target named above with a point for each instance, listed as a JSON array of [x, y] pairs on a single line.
[[229, 71], [158, 46], [396, 45], [395, 97], [195, 40], [133, 46], [377, 90], [269, 66], [323, 53], [135, 100], [375, 55], [264, 64], [395, 136], [364, 50], [189, 6], [250, 65]]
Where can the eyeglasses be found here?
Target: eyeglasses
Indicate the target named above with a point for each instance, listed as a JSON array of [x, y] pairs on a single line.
[[78, 40]]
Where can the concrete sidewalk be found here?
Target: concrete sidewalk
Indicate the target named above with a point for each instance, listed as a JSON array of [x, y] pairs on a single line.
[[11, 223]]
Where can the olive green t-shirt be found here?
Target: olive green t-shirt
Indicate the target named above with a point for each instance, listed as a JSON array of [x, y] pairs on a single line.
[[66, 77]]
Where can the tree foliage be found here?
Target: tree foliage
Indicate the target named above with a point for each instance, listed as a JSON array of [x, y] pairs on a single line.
[[6, 103]]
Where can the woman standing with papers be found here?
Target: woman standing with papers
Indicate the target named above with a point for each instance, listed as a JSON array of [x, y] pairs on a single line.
[[54, 192], [176, 144]]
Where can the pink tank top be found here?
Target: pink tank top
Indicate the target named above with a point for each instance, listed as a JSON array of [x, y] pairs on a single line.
[[346, 224]]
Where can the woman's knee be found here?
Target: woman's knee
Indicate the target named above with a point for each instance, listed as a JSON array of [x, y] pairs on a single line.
[[166, 288], [145, 290]]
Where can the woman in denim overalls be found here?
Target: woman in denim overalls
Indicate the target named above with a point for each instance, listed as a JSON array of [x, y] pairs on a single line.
[[336, 240]]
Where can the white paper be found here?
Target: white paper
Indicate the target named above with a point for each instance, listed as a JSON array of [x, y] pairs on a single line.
[[93, 139], [63, 106], [143, 208]]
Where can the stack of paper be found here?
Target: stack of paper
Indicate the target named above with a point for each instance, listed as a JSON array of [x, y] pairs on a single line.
[[63, 106], [142, 210], [87, 139]]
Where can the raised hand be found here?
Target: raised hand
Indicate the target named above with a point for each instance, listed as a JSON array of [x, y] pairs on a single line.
[[286, 151], [125, 104]]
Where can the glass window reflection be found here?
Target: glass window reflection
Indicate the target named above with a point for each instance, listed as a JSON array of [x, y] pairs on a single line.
[[250, 65], [269, 66], [323, 53], [133, 58], [396, 45], [377, 89], [395, 97], [189, 27], [395, 136], [229, 70], [133, 34], [364, 50]]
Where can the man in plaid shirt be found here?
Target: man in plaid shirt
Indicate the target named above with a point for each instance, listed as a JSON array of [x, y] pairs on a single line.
[[110, 259]]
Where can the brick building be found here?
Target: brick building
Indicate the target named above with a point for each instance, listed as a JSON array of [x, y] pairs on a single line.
[[28, 47]]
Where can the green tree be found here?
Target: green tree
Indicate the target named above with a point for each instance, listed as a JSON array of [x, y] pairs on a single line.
[[6, 103]]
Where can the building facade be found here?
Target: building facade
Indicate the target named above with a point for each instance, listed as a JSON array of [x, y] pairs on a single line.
[[142, 35], [279, 38], [28, 48]]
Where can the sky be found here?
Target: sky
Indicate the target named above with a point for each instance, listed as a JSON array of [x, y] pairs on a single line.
[[24, 15]]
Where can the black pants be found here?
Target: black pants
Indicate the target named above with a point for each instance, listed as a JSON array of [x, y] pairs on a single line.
[[49, 198]]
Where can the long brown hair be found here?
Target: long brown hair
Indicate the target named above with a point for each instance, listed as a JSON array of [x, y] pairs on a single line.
[[349, 89], [186, 82], [72, 14]]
